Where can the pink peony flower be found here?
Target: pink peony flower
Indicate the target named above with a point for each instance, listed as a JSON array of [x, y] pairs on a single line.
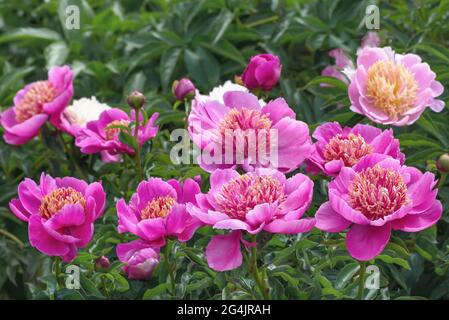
[[262, 72], [100, 136], [60, 213], [256, 201], [158, 211], [140, 259], [391, 88], [76, 116], [36, 103], [373, 198], [279, 140], [183, 88], [337, 148]]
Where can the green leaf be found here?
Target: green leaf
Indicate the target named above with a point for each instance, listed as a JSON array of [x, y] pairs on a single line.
[[158, 290], [400, 262], [56, 54], [21, 34], [346, 274], [202, 66], [337, 83], [168, 63]]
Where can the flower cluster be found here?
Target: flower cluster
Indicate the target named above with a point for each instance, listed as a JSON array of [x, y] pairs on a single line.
[[371, 192]]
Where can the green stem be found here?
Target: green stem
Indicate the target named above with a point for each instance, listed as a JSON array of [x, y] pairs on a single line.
[[361, 280], [169, 268], [262, 21], [138, 148], [57, 271], [69, 151], [442, 180], [261, 283], [12, 237]]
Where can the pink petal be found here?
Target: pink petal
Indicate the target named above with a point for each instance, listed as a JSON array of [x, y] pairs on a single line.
[[329, 220], [366, 242], [151, 229], [41, 240], [418, 222], [223, 252], [290, 226], [239, 100]]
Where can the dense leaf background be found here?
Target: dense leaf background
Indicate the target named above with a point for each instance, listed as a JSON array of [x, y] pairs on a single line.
[[145, 45]]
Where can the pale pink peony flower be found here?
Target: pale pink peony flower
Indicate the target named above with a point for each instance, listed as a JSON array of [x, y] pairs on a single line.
[[393, 89], [60, 213], [36, 103], [263, 200], [337, 148], [373, 198]]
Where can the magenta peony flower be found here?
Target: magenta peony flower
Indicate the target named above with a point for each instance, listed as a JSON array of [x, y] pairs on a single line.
[[337, 148], [183, 88], [158, 211], [60, 213], [262, 72], [279, 140], [140, 259], [101, 136], [36, 103], [259, 200], [391, 88], [373, 198]]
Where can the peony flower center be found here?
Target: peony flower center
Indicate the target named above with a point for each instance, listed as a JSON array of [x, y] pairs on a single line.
[[57, 199], [245, 119], [111, 131], [350, 149], [377, 192], [391, 87], [242, 194], [158, 208], [33, 101]]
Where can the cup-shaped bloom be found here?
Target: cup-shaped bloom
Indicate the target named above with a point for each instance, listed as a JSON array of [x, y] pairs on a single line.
[[262, 72], [391, 88], [336, 148], [242, 132], [263, 200], [76, 116], [373, 198], [183, 88], [157, 210], [60, 213], [102, 135], [36, 103], [140, 259]]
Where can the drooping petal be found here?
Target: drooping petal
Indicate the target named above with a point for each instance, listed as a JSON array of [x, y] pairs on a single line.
[[366, 242], [223, 252], [329, 220]]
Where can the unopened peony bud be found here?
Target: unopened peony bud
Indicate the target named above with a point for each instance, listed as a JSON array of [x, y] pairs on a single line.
[[262, 72], [183, 88], [136, 100], [443, 163], [102, 263]]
